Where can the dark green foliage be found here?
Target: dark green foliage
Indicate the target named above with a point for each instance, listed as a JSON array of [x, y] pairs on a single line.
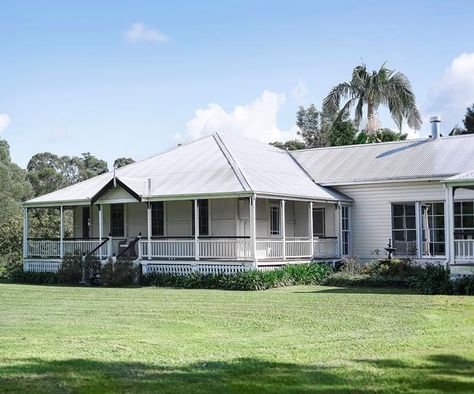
[[289, 145], [342, 133], [392, 269], [463, 286], [123, 161], [344, 279], [297, 274], [118, 273], [432, 279], [469, 120], [382, 135], [36, 278], [313, 126], [71, 269]]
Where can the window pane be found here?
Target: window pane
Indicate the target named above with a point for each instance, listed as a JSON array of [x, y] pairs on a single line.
[[458, 221], [399, 235], [117, 219], [318, 222], [467, 208], [204, 217], [274, 220], [398, 210], [467, 221], [157, 219], [411, 235], [398, 223], [438, 208], [457, 208], [410, 222], [409, 210], [86, 222]]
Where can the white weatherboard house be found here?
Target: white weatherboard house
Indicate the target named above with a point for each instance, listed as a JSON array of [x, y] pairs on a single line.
[[226, 204]]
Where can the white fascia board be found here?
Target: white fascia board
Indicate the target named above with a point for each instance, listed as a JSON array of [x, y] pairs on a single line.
[[180, 197], [386, 180], [56, 204], [271, 196]]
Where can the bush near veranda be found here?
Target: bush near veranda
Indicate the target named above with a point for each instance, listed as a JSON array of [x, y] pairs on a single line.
[[297, 274]]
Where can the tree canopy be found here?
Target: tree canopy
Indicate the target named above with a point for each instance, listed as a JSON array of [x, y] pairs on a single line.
[[123, 161], [371, 90]]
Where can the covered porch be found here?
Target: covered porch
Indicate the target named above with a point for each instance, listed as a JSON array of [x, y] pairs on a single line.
[[250, 231], [460, 221]]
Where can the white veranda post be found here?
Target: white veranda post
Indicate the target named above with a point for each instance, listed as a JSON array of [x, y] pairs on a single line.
[[25, 232], [449, 223], [196, 230], [253, 229], [282, 227], [310, 227], [101, 227], [61, 232], [149, 229]]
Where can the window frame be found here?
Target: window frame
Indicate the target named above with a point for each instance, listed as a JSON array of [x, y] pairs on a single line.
[[323, 216], [202, 223], [113, 221], [87, 226], [346, 243], [156, 207], [275, 231]]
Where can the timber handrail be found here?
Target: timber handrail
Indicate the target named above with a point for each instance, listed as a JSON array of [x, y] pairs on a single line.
[[97, 247]]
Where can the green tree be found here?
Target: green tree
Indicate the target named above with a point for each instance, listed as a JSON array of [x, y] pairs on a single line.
[[123, 161], [14, 189], [469, 120], [289, 145], [314, 126], [381, 135], [342, 132], [371, 90]]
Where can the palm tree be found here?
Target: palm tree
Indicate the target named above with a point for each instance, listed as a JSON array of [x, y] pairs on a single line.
[[383, 87]]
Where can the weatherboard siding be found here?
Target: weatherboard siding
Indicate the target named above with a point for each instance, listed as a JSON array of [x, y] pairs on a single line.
[[371, 212]]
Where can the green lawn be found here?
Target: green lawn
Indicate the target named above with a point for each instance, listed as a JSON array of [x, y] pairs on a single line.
[[294, 339]]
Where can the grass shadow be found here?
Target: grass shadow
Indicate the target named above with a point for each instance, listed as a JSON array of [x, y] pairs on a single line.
[[438, 373]]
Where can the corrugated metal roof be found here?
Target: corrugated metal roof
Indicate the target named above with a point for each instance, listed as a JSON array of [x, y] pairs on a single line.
[[467, 176], [411, 159], [217, 164]]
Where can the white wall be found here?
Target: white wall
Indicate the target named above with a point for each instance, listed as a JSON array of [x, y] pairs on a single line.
[[371, 213]]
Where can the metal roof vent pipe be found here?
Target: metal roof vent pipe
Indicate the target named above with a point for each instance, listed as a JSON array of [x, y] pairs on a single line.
[[435, 126]]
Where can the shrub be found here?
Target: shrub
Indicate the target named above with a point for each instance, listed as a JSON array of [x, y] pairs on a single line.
[[431, 279], [118, 273], [11, 266], [311, 273], [394, 268], [36, 278], [345, 279], [463, 286], [71, 269]]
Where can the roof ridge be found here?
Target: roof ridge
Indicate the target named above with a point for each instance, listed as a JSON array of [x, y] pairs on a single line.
[[233, 162]]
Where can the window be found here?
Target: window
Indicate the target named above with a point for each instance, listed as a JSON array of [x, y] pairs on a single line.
[[86, 222], [404, 229], [274, 220], [117, 220], [203, 206], [319, 222], [346, 231], [157, 219], [464, 219], [432, 215]]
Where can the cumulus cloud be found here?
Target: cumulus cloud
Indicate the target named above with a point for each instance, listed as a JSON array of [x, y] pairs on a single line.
[[454, 92], [300, 92], [257, 120], [4, 122], [139, 32]]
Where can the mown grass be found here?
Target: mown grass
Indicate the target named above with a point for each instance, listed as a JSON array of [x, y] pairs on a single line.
[[294, 339]]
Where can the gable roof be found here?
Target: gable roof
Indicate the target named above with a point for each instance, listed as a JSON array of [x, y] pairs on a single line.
[[219, 164], [402, 160]]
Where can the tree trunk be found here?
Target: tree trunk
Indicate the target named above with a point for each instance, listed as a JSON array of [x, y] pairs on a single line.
[[372, 121]]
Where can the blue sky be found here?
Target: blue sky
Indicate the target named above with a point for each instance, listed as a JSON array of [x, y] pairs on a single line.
[[133, 78]]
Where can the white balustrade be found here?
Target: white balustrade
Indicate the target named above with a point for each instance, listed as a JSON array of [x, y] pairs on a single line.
[[325, 247], [41, 265], [51, 247], [464, 250], [43, 248]]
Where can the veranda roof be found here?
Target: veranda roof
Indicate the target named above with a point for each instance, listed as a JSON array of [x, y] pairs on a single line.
[[216, 165], [411, 159]]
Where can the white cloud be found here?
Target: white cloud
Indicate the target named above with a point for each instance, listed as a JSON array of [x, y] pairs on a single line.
[[257, 120], [139, 32], [300, 92], [4, 122], [454, 92]]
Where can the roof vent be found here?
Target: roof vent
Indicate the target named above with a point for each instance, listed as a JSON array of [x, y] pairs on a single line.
[[435, 126]]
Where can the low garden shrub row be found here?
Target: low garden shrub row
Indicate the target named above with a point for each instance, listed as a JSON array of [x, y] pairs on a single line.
[[428, 278], [297, 274]]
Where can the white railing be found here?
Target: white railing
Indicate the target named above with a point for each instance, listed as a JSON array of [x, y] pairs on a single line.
[[211, 248], [296, 247], [44, 248], [325, 247], [52, 247], [79, 247], [224, 248], [464, 250]]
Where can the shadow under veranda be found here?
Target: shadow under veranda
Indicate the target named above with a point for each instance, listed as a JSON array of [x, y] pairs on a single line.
[[437, 373]]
